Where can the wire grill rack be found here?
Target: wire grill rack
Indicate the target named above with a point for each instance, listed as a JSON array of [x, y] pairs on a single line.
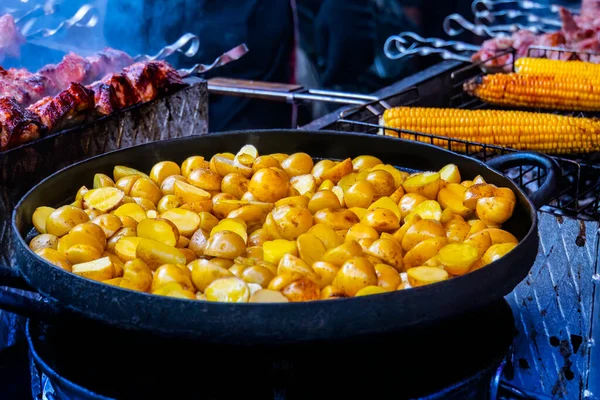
[[579, 193]]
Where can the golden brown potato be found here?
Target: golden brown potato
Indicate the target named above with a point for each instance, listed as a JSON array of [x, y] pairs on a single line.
[[476, 226], [167, 202], [494, 211], [187, 193], [103, 199], [423, 251], [136, 276], [223, 166], [326, 272], [289, 221], [382, 181], [297, 164], [387, 250], [171, 273], [186, 221], [360, 194], [102, 181], [301, 290], [121, 233], [54, 257], [235, 185], [192, 163], [388, 277], [450, 174], [101, 269], [365, 162], [162, 170], [340, 254], [132, 210], [258, 274], [476, 192], [221, 207], [457, 230], [63, 219], [126, 248], [146, 188], [207, 221], [337, 220], [458, 258], [337, 172], [481, 241], [500, 236], [452, 199], [290, 264], [109, 223], [320, 168], [155, 253], [324, 199], [355, 274], [40, 216], [269, 185], [361, 231], [409, 202], [274, 250], [496, 252], [310, 248], [259, 237], [326, 234], [225, 244], [229, 290], [426, 184], [174, 289], [205, 179], [159, 229], [168, 185], [126, 183], [382, 220], [82, 253], [410, 220], [268, 296], [265, 162], [233, 225], [204, 272], [421, 230], [44, 241], [119, 171], [421, 276]]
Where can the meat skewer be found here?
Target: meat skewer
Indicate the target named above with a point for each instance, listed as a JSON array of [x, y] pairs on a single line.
[[17, 125]]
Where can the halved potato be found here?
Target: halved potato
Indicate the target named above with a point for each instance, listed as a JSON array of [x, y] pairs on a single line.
[[109, 223], [382, 181], [225, 244], [458, 258], [476, 192], [450, 173], [235, 185], [233, 226], [187, 193], [126, 248], [268, 296], [326, 185], [40, 216], [169, 273], [205, 179], [320, 168], [424, 251], [269, 185], [155, 253], [101, 269], [494, 211], [159, 229], [338, 171], [265, 162], [82, 253], [298, 164], [388, 277], [290, 264], [45, 240], [54, 257], [340, 254], [409, 221], [338, 220], [426, 184], [500, 236], [347, 181], [310, 248], [146, 188], [422, 230], [370, 290], [132, 210], [229, 290], [224, 166], [324, 199], [386, 203], [186, 221], [360, 194], [381, 219], [457, 230], [450, 199], [481, 241], [355, 274], [168, 185], [365, 162], [387, 250], [429, 209], [274, 250], [103, 199], [421, 276], [136, 276]]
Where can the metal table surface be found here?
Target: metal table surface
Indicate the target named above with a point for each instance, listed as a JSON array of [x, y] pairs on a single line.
[[556, 307]]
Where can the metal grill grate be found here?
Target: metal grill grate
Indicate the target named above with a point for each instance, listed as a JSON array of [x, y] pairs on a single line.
[[579, 196]]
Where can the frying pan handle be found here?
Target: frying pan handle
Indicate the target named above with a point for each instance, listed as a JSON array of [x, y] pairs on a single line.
[[18, 297], [553, 172]]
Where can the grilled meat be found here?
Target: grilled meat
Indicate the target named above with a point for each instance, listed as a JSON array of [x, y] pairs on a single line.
[[11, 38], [17, 125], [72, 68], [152, 79], [113, 93], [69, 107], [24, 86]]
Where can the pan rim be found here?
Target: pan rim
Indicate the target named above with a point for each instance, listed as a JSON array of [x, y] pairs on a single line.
[[532, 214]]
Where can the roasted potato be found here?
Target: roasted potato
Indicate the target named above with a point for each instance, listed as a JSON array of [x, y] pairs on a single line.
[[251, 227]]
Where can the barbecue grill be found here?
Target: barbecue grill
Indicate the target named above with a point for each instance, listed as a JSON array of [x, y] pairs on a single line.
[[554, 304]]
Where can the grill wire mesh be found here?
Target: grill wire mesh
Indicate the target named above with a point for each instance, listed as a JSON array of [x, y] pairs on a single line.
[[579, 191]]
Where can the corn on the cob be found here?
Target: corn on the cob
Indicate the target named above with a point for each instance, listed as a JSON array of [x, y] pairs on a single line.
[[544, 91], [544, 66], [521, 130]]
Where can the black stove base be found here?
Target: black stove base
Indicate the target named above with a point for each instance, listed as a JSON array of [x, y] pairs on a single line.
[[455, 360]]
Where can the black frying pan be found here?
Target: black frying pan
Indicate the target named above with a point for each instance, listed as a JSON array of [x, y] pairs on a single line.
[[63, 291]]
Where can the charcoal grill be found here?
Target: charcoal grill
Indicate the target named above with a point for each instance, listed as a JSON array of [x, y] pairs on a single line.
[[554, 306]]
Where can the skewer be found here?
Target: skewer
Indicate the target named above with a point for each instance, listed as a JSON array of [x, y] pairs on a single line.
[[490, 5], [87, 13], [408, 43], [491, 17], [234, 54], [488, 31]]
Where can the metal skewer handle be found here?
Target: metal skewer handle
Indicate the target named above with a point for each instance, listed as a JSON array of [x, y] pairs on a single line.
[[494, 17], [178, 46], [234, 54], [85, 17], [406, 44], [462, 25], [490, 5]]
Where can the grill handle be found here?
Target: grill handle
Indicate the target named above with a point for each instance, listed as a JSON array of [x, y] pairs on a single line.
[[553, 172]]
